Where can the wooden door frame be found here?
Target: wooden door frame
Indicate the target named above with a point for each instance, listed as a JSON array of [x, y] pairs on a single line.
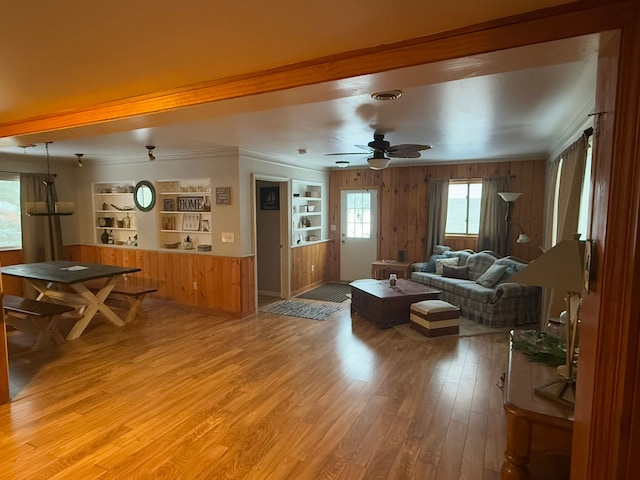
[[604, 445], [338, 218], [285, 231]]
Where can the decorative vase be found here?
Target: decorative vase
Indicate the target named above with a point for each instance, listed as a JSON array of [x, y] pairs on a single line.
[[104, 238], [127, 221]]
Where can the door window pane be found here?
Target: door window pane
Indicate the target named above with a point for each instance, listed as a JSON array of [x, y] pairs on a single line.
[[358, 215]]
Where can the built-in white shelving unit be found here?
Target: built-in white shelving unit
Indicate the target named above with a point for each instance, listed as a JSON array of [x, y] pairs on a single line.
[[115, 213], [307, 212], [184, 210]]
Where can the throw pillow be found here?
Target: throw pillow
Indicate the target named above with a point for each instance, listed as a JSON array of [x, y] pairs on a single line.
[[455, 272], [430, 265], [453, 261], [491, 276]]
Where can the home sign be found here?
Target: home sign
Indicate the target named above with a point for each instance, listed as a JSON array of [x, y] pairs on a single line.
[[190, 204]]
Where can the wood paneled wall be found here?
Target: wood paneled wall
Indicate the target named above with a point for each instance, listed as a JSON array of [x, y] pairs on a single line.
[[402, 205], [309, 266], [11, 285], [224, 284]]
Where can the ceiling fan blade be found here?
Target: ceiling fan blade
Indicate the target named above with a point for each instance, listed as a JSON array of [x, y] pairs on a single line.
[[344, 153], [404, 154], [367, 148], [408, 147]]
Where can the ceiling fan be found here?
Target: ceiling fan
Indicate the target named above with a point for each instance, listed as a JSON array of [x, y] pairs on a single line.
[[383, 151]]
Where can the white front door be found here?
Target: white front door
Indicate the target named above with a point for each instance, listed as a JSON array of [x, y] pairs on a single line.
[[358, 233]]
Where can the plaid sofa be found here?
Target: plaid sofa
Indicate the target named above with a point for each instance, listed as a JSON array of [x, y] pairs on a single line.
[[503, 303]]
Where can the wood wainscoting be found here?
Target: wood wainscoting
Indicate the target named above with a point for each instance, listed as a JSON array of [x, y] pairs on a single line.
[[223, 284], [11, 285], [309, 266], [402, 205]]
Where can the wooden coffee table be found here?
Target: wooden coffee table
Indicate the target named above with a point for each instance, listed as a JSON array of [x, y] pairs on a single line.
[[385, 305]]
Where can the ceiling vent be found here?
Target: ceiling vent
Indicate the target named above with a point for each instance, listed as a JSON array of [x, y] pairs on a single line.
[[388, 95]]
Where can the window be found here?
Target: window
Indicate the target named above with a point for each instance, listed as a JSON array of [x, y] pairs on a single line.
[[585, 196], [359, 215], [10, 224], [463, 207]]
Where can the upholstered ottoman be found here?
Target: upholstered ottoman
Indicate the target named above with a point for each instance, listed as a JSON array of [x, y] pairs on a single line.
[[434, 318]]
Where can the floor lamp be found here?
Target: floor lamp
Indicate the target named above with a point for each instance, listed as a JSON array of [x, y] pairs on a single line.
[[560, 268], [508, 197]]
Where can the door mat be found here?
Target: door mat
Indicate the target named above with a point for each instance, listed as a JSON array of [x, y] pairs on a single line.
[[292, 308], [329, 292]]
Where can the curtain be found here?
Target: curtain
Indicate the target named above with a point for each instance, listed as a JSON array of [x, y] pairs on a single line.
[[437, 198], [492, 234], [41, 235], [568, 210]]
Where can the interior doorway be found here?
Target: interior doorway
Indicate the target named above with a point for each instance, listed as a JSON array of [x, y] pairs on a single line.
[[358, 233], [270, 239]]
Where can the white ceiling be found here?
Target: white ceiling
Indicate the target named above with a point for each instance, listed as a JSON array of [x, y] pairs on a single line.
[[519, 104]]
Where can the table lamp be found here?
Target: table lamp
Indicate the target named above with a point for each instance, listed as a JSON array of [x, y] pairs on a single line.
[[560, 268]]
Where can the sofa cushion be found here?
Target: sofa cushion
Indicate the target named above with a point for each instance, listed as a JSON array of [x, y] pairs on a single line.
[[474, 291], [461, 254], [492, 276], [440, 249], [512, 266], [453, 261], [455, 272], [478, 263]]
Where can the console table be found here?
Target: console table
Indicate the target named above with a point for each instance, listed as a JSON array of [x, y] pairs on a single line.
[[380, 269], [539, 430]]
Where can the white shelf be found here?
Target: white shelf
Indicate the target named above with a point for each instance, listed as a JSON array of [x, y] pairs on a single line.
[[115, 194], [188, 232], [123, 212], [118, 228], [174, 212], [306, 229]]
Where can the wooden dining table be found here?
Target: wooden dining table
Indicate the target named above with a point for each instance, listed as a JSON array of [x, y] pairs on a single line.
[[48, 277]]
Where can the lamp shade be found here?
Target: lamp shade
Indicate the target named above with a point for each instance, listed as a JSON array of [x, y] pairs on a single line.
[[509, 196], [559, 268], [378, 163], [523, 238]]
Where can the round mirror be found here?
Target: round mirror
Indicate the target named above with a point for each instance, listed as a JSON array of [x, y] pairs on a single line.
[[144, 195]]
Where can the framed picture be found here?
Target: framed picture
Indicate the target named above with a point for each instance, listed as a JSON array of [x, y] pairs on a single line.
[[206, 227], [191, 222], [269, 198], [168, 205]]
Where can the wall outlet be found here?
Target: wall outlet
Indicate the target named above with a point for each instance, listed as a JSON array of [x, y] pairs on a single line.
[[195, 285], [313, 268], [228, 237]]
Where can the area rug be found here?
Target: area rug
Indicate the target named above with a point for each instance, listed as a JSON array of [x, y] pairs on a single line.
[[329, 292], [468, 328], [293, 308]]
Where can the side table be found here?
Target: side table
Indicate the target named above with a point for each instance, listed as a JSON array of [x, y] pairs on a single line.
[[539, 431], [381, 269]]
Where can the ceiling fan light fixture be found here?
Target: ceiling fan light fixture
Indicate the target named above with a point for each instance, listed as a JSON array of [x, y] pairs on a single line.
[[150, 149], [387, 95], [378, 163], [342, 163]]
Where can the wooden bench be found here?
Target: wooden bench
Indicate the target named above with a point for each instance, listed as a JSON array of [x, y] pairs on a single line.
[[133, 294], [34, 316]]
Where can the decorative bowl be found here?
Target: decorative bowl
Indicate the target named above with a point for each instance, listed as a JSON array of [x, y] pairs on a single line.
[[172, 245]]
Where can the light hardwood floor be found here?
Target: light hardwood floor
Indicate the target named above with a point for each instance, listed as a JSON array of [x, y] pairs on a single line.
[[191, 395]]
